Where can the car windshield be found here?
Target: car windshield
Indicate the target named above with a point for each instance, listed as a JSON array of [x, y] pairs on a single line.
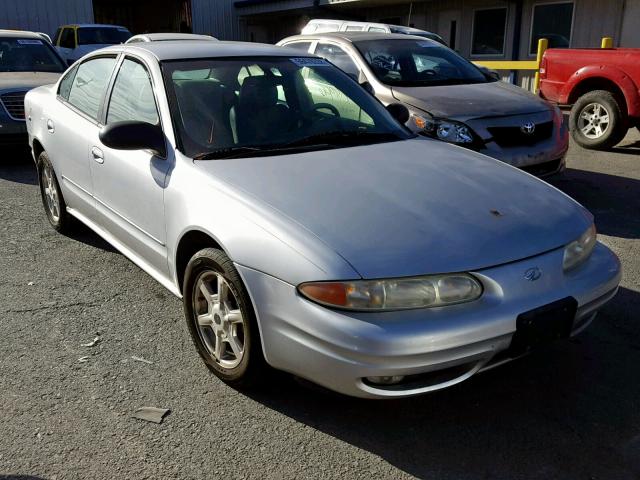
[[102, 35], [416, 63], [28, 55], [248, 106]]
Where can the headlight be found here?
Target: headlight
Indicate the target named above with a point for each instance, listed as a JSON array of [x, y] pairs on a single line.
[[442, 129], [578, 251], [395, 294]]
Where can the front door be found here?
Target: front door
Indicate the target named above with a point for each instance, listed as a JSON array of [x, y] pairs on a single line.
[[129, 184]]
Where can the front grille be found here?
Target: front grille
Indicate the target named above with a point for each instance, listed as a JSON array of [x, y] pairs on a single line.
[[514, 137], [14, 104]]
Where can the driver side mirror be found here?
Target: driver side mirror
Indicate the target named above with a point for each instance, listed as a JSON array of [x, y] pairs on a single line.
[[399, 112], [134, 136], [490, 74]]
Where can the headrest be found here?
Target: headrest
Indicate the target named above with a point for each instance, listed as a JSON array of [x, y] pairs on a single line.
[[259, 91]]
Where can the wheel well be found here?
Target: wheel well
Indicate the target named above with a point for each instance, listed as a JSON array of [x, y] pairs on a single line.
[[598, 83], [191, 243], [37, 149]]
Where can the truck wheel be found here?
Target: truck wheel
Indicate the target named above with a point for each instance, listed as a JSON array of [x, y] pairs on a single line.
[[597, 121]]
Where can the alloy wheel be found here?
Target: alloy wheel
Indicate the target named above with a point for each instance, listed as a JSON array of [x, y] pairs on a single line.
[[220, 322], [51, 197], [593, 120]]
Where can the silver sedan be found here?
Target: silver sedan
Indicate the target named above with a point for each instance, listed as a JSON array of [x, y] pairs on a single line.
[[305, 228]]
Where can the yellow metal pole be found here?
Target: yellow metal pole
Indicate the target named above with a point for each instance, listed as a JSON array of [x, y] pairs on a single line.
[[543, 43], [607, 42]]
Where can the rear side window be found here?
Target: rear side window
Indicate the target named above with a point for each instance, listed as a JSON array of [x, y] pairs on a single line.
[[90, 84], [68, 38], [339, 58], [354, 28], [304, 46], [132, 98], [66, 82]]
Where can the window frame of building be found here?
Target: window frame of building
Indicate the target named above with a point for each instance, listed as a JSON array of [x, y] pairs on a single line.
[[532, 18], [473, 32]]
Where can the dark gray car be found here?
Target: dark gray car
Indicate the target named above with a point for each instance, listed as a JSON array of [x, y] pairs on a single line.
[[449, 97], [27, 61]]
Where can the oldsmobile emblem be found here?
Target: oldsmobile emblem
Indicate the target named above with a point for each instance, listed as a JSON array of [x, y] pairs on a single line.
[[528, 128], [532, 274]]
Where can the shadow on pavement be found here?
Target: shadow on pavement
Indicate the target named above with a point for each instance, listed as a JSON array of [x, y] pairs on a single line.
[[563, 412], [18, 167], [614, 200], [20, 477]]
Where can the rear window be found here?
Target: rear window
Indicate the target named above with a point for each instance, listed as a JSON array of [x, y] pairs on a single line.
[[102, 35], [28, 55]]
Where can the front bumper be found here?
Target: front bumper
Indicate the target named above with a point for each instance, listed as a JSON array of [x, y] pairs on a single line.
[[438, 347]]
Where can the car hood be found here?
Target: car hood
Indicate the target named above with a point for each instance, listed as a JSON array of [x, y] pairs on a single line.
[[410, 207], [26, 80], [464, 102]]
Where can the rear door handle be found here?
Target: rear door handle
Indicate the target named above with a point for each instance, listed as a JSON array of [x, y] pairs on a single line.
[[97, 155], [50, 127]]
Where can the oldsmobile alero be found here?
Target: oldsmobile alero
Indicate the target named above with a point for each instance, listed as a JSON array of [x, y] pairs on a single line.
[[306, 228]]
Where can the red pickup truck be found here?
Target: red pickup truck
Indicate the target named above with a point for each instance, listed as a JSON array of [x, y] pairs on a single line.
[[602, 85]]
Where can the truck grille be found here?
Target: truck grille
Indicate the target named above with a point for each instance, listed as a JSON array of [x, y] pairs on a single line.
[[514, 137], [14, 104]]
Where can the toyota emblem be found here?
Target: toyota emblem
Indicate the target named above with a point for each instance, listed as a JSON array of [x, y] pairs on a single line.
[[532, 274], [528, 128]]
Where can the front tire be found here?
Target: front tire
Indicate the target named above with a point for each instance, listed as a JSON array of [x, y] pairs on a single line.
[[221, 319], [52, 199], [597, 121]]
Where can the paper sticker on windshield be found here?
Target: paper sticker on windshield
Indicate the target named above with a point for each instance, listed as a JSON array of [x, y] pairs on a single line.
[[30, 42], [310, 62]]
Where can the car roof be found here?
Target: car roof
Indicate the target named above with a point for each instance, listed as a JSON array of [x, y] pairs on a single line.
[[195, 49], [351, 37], [92, 25], [154, 37], [20, 34]]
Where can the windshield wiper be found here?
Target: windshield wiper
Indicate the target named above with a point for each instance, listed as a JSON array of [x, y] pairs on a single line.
[[345, 137], [256, 151]]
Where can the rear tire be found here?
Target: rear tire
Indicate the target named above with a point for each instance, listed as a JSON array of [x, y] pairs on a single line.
[[52, 199], [221, 319], [597, 121]]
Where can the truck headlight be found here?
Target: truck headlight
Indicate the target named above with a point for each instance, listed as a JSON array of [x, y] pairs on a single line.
[[442, 129], [394, 294], [579, 250]]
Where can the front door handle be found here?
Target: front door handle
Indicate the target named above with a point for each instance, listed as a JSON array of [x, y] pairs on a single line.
[[97, 155], [50, 127]]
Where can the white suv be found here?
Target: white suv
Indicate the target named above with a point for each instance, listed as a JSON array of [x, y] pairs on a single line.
[[328, 25]]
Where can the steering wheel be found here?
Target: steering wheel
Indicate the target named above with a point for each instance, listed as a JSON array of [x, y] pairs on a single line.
[[328, 106]]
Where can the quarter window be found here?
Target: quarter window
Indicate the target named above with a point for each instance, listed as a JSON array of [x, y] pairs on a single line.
[[132, 97], [339, 58], [90, 84], [489, 27], [553, 22], [66, 83]]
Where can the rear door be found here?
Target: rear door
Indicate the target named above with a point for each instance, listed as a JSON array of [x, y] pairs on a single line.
[[129, 184], [70, 122]]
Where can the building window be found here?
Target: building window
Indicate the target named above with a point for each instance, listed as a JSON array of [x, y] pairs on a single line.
[[552, 21], [489, 27]]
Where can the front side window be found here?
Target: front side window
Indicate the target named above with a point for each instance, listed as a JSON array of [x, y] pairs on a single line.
[[132, 96], [68, 38], [102, 36], [28, 55], [338, 57], [416, 63], [90, 84], [354, 28], [489, 29], [553, 22], [377, 29], [257, 104]]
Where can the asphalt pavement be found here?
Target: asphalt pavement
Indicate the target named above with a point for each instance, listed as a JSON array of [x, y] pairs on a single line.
[[74, 313]]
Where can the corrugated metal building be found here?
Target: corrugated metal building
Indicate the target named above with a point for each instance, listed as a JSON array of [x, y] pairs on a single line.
[[215, 17]]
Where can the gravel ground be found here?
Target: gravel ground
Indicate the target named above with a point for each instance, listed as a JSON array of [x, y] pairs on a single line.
[[569, 411]]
